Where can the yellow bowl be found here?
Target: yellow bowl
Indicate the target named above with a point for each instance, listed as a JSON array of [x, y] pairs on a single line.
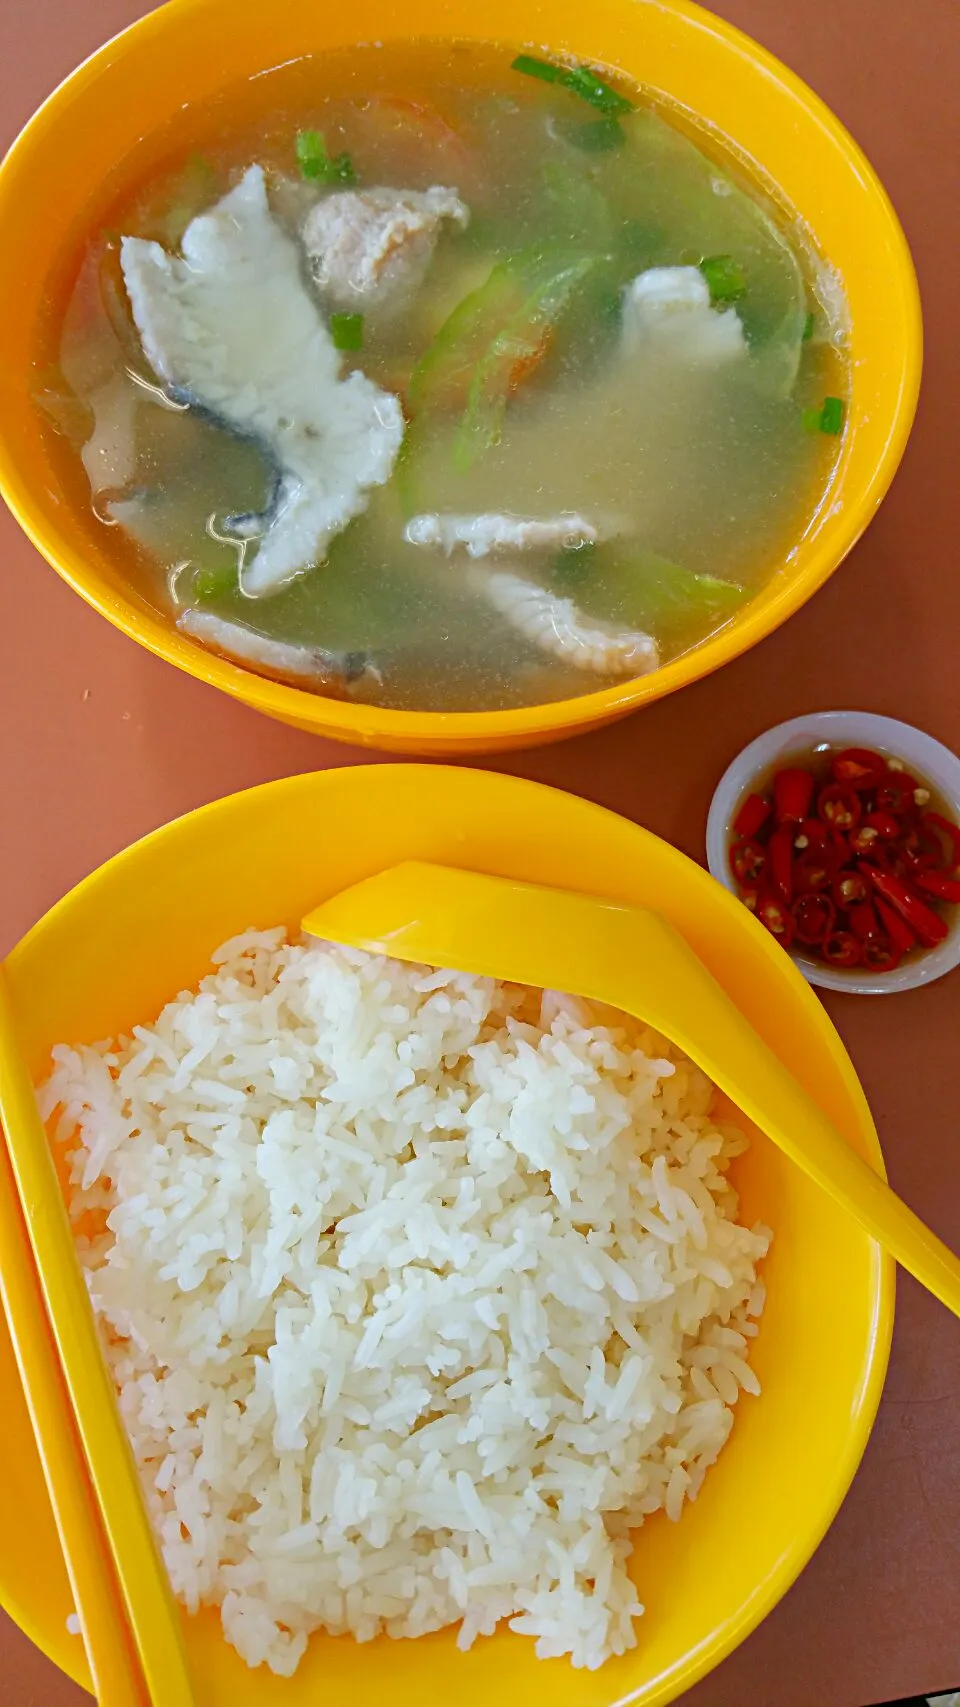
[[191, 49], [142, 928]]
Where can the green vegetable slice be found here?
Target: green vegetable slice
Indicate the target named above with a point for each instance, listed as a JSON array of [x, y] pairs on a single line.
[[441, 377], [479, 351], [214, 581], [317, 165], [346, 330], [518, 342], [667, 593], [644, 590], [573, 566], [534, 285], [577, 210], [597, 136]]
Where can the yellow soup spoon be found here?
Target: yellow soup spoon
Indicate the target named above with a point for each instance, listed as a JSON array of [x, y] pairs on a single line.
[[633, 960]]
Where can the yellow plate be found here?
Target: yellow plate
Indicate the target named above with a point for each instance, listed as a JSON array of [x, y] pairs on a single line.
[[142, 928], [192, 49]]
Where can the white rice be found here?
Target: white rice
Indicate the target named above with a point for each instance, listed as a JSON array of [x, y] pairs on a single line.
[[420, 1293]]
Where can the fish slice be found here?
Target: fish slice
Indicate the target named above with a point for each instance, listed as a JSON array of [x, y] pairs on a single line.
[[128, 1619], [634, 960]]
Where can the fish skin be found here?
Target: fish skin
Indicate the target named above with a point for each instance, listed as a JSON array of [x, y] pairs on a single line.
[[232, 327], [302, 666]]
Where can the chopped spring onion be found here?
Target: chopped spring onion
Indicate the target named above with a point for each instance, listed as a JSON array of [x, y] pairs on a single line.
[[827, 419], [597, 136], [725, 277], [346, 330], [831, 415], [579, 79], [317, 165], [542, 68], [592, 88], [808, 327]]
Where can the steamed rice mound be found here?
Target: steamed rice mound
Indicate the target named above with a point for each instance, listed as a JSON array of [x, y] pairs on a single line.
[[420, 1292]]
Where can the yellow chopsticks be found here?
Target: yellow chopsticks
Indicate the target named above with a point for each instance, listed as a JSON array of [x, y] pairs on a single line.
[[130, 1624]]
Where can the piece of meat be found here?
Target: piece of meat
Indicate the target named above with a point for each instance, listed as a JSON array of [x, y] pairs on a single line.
[[371, 248], [555, 625], [480, 535], [301, 666], [668, 310], [234, 328]]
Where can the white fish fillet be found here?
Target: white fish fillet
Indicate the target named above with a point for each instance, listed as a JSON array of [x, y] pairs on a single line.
[[669, 309], [372, 248], [233, 325], [304, 666], [485, 533], [558, 627]]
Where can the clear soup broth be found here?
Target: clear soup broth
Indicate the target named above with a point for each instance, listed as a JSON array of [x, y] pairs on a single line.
[[602, 395]]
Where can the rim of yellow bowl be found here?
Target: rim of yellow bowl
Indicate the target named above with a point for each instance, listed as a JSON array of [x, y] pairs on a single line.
[[389, 729]]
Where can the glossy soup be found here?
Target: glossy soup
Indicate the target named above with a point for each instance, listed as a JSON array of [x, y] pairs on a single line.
[[699, 473]]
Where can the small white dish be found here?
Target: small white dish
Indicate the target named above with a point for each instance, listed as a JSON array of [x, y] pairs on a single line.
[[920, 752]]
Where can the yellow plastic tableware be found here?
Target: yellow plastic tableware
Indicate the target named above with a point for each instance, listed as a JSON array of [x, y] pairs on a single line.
[[143, 927], [105, 125], [124, 1545], [116, 1672], [633, 960]]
